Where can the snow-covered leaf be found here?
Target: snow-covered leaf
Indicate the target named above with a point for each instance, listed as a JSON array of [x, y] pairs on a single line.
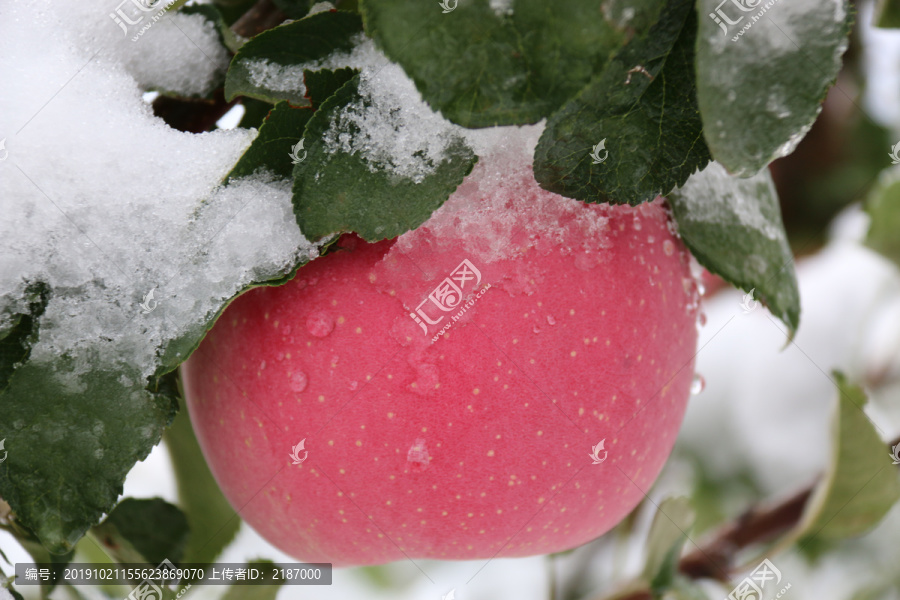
[[510, 62], [213, 15], [282, 130], [763, 69], [18, 330], [136, 248], [213, 523], [861, 484], [270, 66], [143, 530], [71, 442], [883, 206], [634, 132], [195, 37], [733, 227], [376, 164]]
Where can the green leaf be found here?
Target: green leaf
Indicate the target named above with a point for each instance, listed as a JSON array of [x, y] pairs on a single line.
[[322, 84], [733, 227], [337, 191], [760, 91], [255, 112], [271, 150], [213, 523], [861, 484], [631, 16], [479, 68], [640, 113], [883, 206], [887, 14], [295, 46], [256, 592], [71, 439], [16, 337], [668, 533], [144, 530]]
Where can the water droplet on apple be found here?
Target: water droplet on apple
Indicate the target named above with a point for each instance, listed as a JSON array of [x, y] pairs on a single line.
[[319, 323], [353, 386], [551, 320], [668, 247], [697, 384], [262, 365], [636, 223], [536, 329], [298, 381]]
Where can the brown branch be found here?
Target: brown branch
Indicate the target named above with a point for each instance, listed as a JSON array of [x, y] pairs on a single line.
[[759, 524], [262, 16], [715, 560]]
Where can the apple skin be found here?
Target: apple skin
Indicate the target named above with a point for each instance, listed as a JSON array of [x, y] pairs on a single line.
[[476, 445]]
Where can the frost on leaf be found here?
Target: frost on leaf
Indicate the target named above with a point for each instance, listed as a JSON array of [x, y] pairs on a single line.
[[733, 227]]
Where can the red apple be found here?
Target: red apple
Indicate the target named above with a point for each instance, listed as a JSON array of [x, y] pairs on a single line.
[[570, 326]]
